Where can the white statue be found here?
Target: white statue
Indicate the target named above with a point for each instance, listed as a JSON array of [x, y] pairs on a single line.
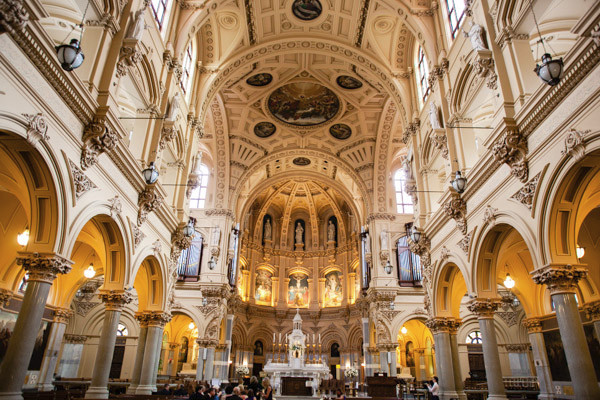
[[139, 25], [330, 231], [299, 232], [407, 167], [434, 116], [383, 238], [475, 35], [171, 114], [267, 234]]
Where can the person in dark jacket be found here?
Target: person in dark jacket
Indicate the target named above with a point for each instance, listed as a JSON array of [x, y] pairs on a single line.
[[180, 391], [165, 390]]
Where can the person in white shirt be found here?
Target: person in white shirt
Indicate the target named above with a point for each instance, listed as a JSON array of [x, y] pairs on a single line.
[[434, 389]]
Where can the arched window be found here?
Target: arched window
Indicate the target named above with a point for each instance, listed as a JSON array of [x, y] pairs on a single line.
[[409, 264], [187, 70], [161, 11], [404, 203], [474, 338], [188, 265], [422, 74], [198, 196], [456, 15], [122, 330]]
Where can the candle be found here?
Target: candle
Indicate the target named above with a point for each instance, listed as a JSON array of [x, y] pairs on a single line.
[[319, 338], [279, 337], [314, 339], [273, 337]]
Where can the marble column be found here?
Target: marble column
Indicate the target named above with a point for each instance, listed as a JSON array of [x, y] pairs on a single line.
[[173, 355], [393, 359], [156, 324], [459, 385], [592, 310], [485, 309], [210, 361], [562, 283], [42, 269], [366, 347], [200, 364], [440, 327], [540, 357], [383, 359], [158, 356], [114, 301], [139, 354], [55, 338]]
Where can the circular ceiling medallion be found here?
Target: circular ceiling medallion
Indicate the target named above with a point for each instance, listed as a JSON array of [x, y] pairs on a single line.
[[303, 104], [307, 10], [264, 129], [302, 161], [262, 79], [340, 131], [348, 82]]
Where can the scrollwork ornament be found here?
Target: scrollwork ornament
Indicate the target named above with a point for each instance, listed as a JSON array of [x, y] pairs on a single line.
[[37, 128], [456, 208], [98, 138], [575, 144], [526, 194], [81, 182], [592, 310], [62, 315], [13, 16], [441, 143], [511, 149], [533, 325], [148, 201]]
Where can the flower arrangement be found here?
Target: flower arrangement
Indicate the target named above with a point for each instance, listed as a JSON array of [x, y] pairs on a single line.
[[295, 347], [242, 370], [351, 372]]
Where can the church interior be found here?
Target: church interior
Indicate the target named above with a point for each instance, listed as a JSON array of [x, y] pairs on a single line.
[[364, 195]]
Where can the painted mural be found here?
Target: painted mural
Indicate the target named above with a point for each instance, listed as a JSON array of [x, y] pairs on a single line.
[[303, 104], [333, 289], [298, 291], [264, 287]]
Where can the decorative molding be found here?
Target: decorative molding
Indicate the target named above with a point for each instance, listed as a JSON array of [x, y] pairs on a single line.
[[5, 296], [575, 144], [592, 310], [13, 16], [219, 212], [129, 55], [360, 31], [441, 143], [517, 347], [106, 21], [156, 318], [526, 194], [81, 183], [43, 267], [37, 127], [157, 248], [98, 138], [533, 325], [456, 208], [559, 278], [509, 317], [138, 235], [115, 300], [444, 253], [168, 133], [62, 315], [380, 217], [489, 215], [484, 308], [75, 339], [511, 149], [465, 243], [441, 324], [148, 201], [115, 206], [483, 65]]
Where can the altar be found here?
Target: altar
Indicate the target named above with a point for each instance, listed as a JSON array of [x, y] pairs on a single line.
[[295, 362]]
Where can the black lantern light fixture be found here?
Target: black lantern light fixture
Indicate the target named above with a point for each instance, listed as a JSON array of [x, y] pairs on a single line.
[[150, 174], [551, 71], [459, 183], [70, 56], [190, 228], [415, 234]]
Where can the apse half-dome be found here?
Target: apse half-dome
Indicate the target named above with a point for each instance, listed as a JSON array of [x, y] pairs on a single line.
[[303, 104]]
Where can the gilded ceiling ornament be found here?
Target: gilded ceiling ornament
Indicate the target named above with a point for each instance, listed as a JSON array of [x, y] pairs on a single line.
[[37, 128]]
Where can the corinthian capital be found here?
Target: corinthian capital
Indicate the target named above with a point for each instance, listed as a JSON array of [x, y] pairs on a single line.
[[559, 278], [592, 310], [157, 318], [532, 325], [62, 315], [5, 296], [484, 308], [440, 324], [43, 267], [115, 300]]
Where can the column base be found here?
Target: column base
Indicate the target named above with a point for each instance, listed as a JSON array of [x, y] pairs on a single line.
[[497, 397], [96, 393], [145, 389], [11, 396], [449, 395], [131, 388], [45, 387]]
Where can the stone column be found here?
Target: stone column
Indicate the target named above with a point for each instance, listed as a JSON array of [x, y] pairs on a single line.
[[458, 381], [485, 309], [42, 269], [55, 338], [592, 310], [393, 361], [156, 324], [210, 360], [540, 357], [114, 301], [562, 283], [440, 327], [366, 347], [139, 355], [221, 365], [383, 359], [173, 355], [200, 364]]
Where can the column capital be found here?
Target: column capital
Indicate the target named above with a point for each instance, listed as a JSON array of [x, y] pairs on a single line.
[[70, 338], [43, 267], [142, 319], [484, 308], [5, 296], [559, 278], [533, 325], [517, 347], [592, 310], [442, 325], [173, 346], [157, 318], [207, 342], [221, 346], [115, 300], [62, 315], [387, 346]]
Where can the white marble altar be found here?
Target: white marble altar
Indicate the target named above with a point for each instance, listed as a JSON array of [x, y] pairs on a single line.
[[297, 364]]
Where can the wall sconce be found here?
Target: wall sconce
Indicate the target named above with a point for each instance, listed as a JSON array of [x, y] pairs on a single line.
[[212, 263], [150, 174], [388, 267], [23, 238], [459, 183]]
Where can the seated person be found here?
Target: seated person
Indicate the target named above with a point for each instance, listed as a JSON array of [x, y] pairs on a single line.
[[198, 393], [211, 394], [180, 391], [165, 390], [235, 395], [339, 395]]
